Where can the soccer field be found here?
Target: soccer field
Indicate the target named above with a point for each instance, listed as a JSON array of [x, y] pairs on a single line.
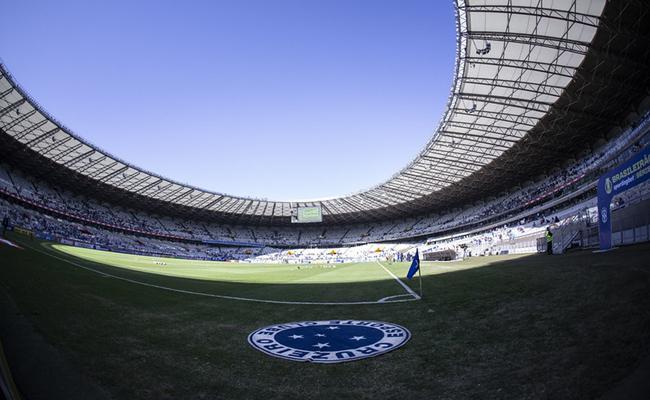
[[99, 325], [258, 280], [271, 282]]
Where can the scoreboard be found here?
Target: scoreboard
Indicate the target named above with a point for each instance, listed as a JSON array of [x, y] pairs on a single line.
[[305, 215]]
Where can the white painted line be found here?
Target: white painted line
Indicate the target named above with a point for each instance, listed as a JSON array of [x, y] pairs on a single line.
[[604, 251], [385, 299], [404, 285], [9, 243], [219, 296]]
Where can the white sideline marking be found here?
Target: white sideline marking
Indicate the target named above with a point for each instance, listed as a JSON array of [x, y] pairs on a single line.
[[220, 296], [404, 285], [10, 243], [385, 299], [604, 251]]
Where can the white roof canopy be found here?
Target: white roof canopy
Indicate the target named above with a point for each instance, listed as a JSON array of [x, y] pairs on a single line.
[[514, 60]]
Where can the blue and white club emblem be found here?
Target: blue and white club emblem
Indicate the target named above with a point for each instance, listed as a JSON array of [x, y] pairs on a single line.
[[329, 342]]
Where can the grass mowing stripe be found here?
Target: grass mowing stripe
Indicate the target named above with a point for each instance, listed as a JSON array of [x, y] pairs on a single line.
[[568, 326], [319, 303]]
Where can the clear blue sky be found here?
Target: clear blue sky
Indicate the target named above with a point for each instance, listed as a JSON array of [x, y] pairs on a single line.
[[278, 99]]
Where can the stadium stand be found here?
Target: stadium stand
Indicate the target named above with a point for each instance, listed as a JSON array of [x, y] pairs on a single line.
[[474, 179], [547, 96], [89, 220], [508, 224]]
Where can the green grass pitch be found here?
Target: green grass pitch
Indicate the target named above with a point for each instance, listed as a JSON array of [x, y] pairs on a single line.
[[263, 282], [90, 324], [257, 280]]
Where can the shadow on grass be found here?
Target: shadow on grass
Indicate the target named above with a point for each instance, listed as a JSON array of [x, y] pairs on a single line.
[[467, 278], [566, 326], [360, 291]]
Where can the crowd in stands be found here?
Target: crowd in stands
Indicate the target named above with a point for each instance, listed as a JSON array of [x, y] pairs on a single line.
[[45, 226], [361, 253], [85, 220], [516, 238]]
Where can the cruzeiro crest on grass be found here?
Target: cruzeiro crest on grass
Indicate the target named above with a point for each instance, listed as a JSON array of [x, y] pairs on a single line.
[[329, 341]]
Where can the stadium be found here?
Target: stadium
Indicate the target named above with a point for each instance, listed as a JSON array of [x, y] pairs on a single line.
[[523, 226]]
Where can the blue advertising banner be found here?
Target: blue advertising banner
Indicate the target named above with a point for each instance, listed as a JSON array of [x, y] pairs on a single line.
[[626, 176]]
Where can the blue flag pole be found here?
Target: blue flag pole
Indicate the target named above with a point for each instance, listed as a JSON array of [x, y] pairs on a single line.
[[420, 276], [415, 267]]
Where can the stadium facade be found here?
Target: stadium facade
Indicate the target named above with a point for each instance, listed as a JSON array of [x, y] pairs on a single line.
[[544, 97]]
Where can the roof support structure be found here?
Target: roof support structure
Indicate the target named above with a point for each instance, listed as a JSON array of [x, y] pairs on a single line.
[[529, 76]]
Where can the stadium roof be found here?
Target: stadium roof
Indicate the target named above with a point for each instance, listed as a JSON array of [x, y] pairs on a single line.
[[534, 80]]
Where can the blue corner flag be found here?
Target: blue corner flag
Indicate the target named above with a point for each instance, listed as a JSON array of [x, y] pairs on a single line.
[[415, 265]]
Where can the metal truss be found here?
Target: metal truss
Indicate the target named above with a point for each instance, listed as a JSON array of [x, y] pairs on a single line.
[[517, 92]]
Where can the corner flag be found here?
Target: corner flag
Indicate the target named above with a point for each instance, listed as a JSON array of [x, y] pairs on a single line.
[[415, 265]]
